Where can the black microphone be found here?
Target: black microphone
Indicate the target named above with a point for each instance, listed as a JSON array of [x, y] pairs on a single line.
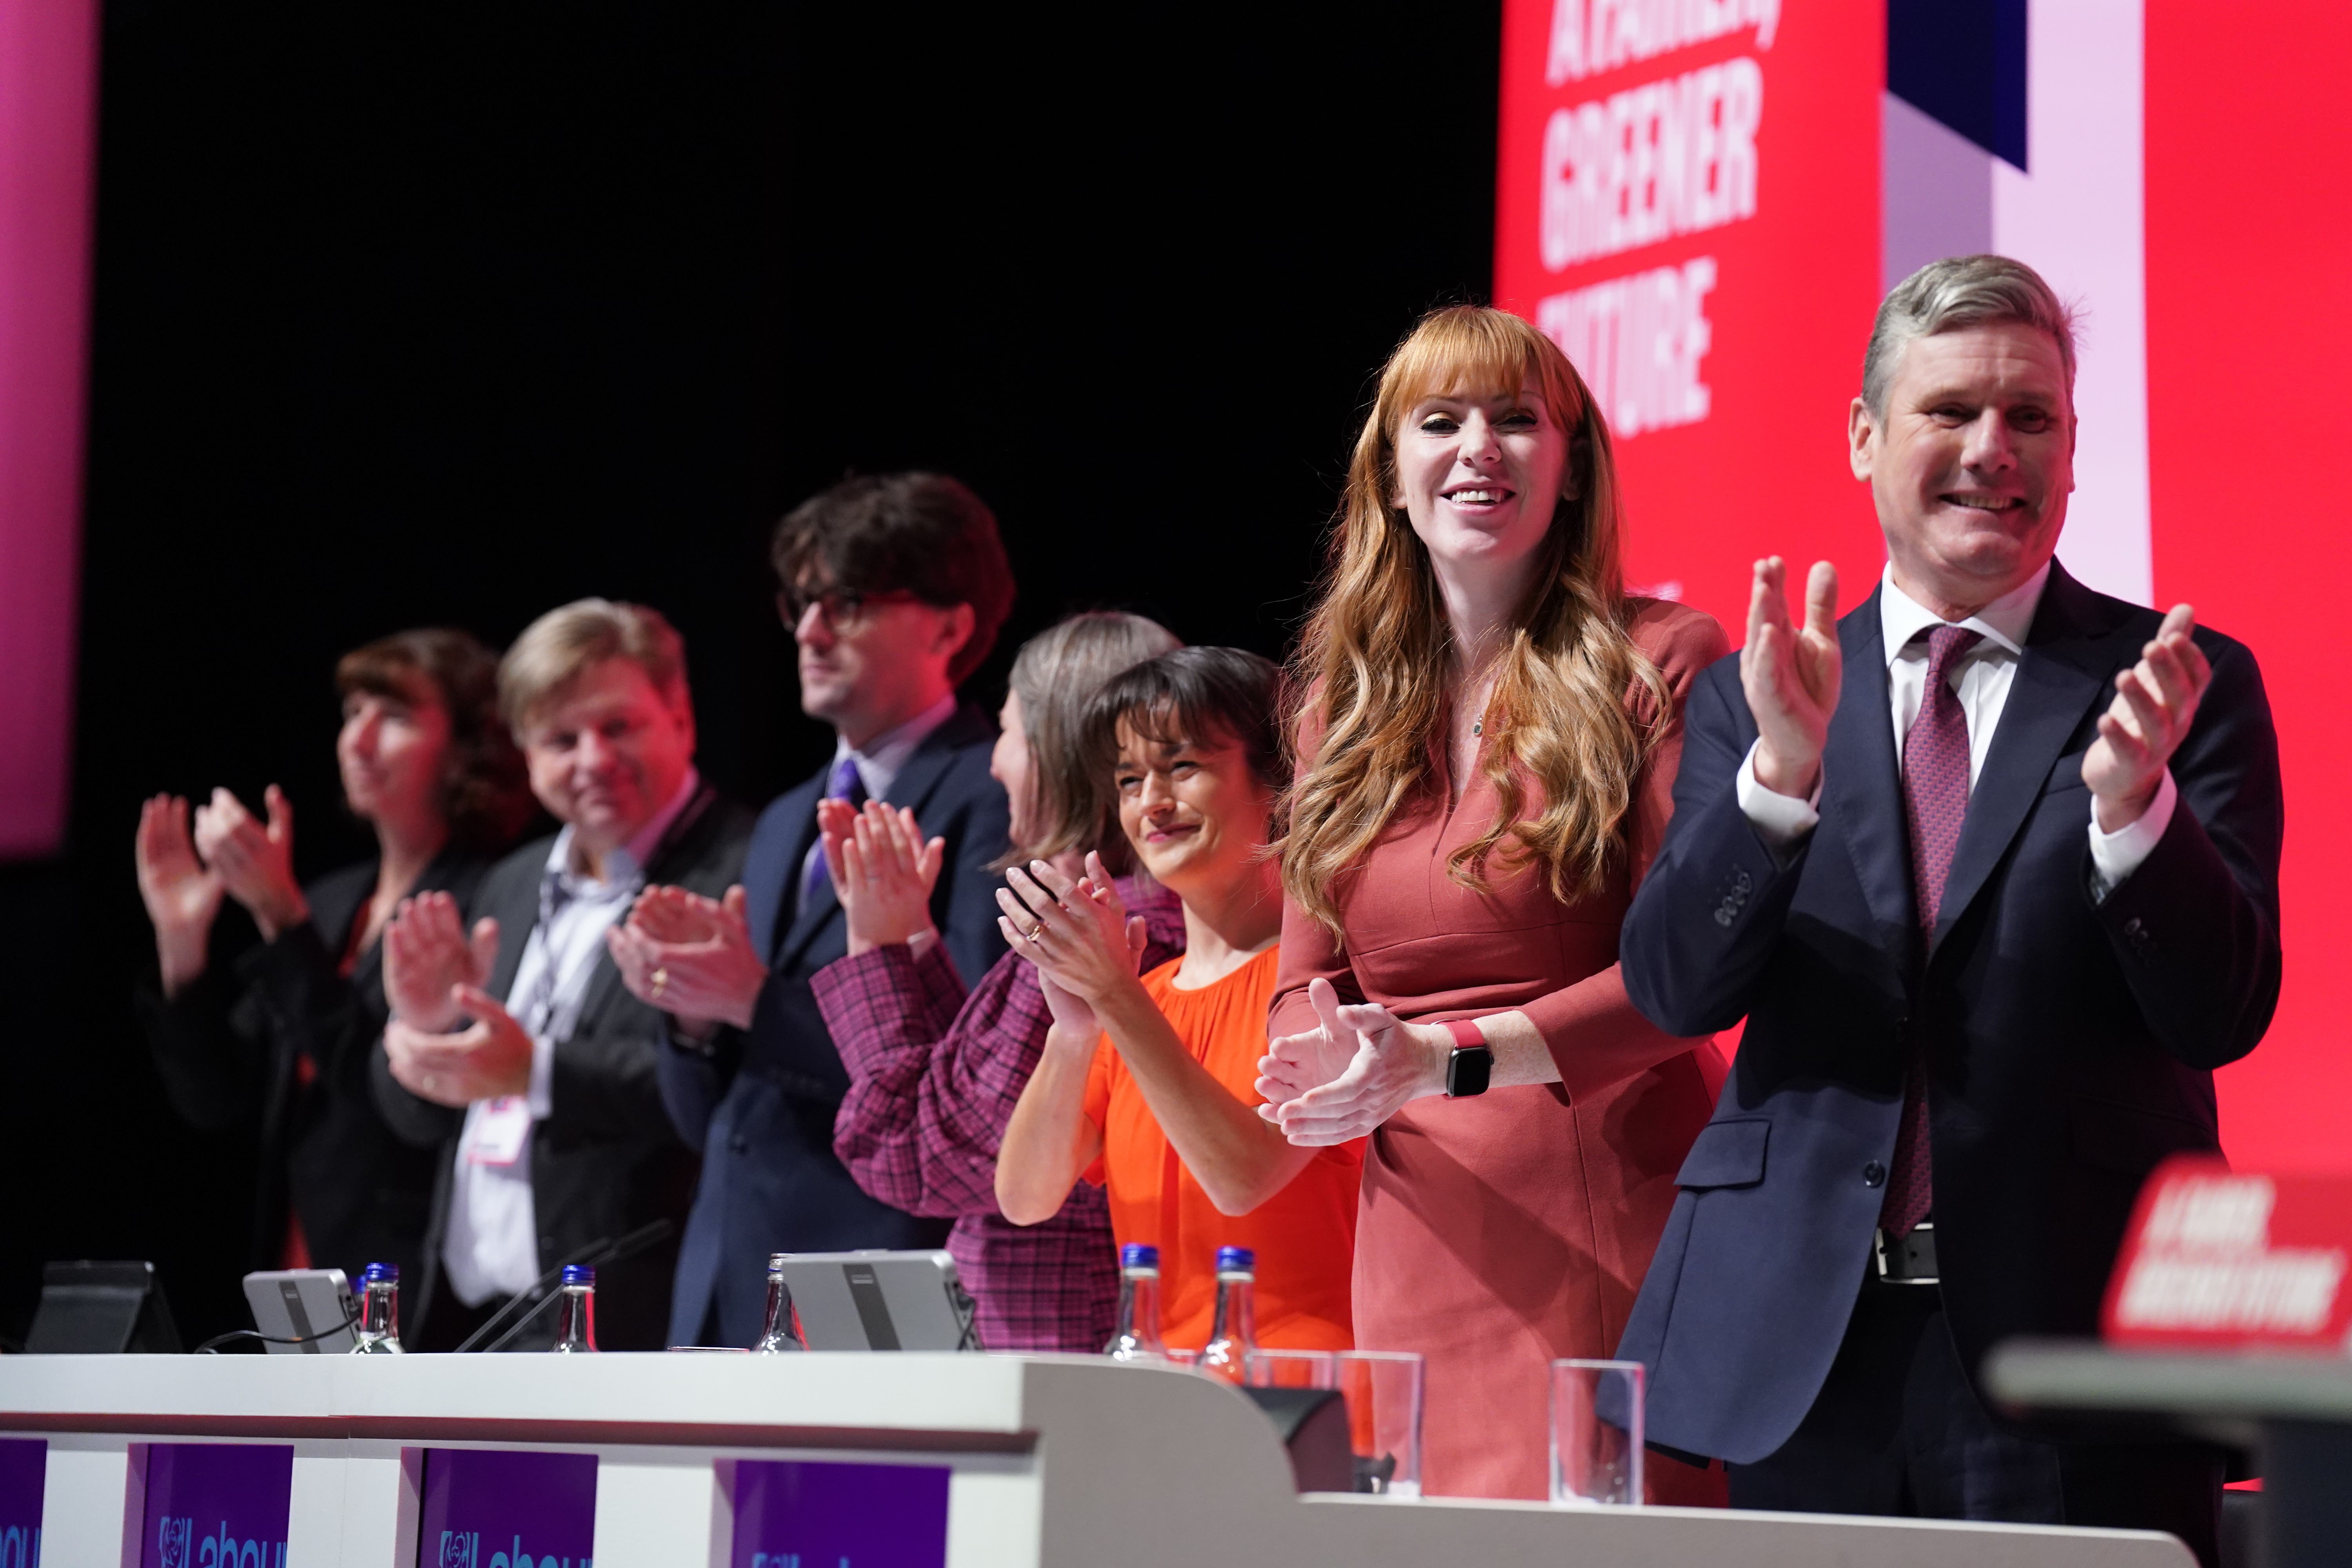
[[536, 1292], [597, 1255]]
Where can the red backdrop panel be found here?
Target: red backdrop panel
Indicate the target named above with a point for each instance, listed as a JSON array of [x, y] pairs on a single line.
[[1794, 289], [2249, 331]]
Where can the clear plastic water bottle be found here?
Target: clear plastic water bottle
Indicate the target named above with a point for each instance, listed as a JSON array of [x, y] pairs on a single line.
[[379, 1328], [1138, 1338], [778, 1335], [1234, 1334], [575, 1323]]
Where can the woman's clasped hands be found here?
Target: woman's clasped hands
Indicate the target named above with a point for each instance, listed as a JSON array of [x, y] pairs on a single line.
[[1077, 931], [1358, 1067]]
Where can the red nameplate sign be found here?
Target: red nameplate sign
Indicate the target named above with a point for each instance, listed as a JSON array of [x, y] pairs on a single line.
[[2221, 1257]]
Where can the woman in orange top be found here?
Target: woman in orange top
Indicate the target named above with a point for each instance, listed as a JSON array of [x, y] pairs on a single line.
[[1165, 1116]]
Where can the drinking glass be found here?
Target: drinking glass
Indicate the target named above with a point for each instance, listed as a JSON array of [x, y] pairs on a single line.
[[1383, 1390], [1291, 1369], [1596, 1433]]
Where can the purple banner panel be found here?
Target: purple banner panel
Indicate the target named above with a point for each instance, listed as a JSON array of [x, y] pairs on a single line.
[[23, 1468], [496, 1508], [794, 1513], [218, 1505]]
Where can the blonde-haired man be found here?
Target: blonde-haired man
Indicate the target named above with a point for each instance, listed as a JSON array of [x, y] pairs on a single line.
[[515, 1047]]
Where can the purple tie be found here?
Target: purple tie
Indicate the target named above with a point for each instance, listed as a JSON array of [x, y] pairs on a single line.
[[1935, 804], [845, 784]]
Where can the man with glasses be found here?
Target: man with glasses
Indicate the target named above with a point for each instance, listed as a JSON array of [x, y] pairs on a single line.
[[893, 588]]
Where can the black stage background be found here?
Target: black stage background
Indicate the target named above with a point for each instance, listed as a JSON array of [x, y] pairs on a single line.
[[401, 322]]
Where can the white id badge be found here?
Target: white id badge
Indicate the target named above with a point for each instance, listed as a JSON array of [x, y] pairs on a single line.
[[499, 1131]]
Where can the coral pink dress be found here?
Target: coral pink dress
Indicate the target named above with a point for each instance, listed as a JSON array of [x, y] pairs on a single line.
[[1497, 1233]]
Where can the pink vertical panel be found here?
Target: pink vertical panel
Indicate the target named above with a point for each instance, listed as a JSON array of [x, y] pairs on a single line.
[[48, 79]]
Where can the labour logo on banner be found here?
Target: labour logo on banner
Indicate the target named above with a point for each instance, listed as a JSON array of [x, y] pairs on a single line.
[[800, 1513], [218, 1505], [496, 1508], [24, 1472]]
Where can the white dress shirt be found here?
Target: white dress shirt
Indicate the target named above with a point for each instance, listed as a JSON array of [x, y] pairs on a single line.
[[491, 1248], [1980, 680], [879, 763]]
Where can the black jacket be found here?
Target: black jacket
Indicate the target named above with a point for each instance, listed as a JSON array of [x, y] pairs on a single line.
[[2070, 1042], [230, 1049], [606, 1161]]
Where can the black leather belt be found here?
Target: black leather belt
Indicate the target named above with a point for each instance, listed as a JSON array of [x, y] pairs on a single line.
[[1906, 1260]]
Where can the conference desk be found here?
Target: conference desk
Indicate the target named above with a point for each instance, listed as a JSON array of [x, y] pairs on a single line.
[[1070, 1461], [2295, 1410]]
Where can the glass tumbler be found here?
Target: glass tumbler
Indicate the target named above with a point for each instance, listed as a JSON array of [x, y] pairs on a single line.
[[1383, 1390], [1291, 1369], [1596, 1434]]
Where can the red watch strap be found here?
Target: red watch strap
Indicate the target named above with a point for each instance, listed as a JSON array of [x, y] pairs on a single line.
[[1466, 1034]]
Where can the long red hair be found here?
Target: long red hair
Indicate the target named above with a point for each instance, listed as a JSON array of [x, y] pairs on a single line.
[[1373, 667]]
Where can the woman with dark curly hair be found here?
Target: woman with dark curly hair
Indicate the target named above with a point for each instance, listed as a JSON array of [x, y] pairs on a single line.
[[277, 1039]]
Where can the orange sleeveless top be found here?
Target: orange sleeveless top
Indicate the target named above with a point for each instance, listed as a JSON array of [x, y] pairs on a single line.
[[1304, 1235]]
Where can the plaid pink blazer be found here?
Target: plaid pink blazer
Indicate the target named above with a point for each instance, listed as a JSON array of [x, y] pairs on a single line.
[[933, 1078]]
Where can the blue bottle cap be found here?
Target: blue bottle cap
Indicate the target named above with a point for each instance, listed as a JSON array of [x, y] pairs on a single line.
[[384, 1271], [1235, 1259], [579, 1274], [1136, 1254]]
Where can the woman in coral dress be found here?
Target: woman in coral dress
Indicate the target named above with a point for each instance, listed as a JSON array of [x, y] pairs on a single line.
[[1487, 742]]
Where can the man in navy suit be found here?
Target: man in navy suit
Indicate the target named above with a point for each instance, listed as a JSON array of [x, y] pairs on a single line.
[[1990, 867], [894, 588]]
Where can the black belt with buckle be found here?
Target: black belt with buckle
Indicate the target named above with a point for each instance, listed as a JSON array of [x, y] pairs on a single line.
[[1906, 1260]]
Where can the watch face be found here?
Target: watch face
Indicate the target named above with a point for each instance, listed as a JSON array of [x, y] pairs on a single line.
[[1467, 1070]]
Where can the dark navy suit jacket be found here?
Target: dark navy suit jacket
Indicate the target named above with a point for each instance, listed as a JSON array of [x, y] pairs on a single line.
[[2069, 1043], [761, 1105]]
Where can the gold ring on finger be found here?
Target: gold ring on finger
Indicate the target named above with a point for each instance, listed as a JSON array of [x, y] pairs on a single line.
[[661, 980]]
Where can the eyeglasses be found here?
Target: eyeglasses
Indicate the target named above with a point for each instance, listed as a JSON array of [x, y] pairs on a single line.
[[843, 609]]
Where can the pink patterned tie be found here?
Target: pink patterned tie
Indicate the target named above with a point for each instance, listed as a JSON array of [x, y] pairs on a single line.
[[1935, 804]]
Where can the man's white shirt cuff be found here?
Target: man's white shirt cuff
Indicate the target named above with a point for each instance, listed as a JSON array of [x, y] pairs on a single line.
[[1780, 820], [543, 1079], [2116, 855]]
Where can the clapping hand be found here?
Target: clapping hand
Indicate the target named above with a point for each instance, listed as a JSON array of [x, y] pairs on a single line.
[[690, 955], [883, 871], [428, 958], [2155, 702], [1078, 935], [254, 860], [489, 1057], [1358, 1068], [1293, 1063], [1791, 675], [181, 897]]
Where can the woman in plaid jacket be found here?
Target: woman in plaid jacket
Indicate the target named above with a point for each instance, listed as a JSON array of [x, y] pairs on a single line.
[[935, 1072]]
